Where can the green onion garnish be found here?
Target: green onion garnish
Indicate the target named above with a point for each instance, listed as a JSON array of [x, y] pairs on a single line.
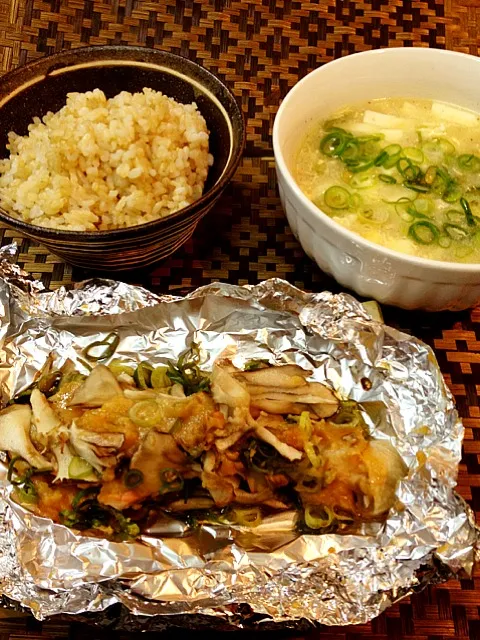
[[334, 143], [110, 343], [384, 177], [336, 197], [133, 478], [468, 212], [469, 162], [418, 188], [423, 232], [171, 480], [408, 169]]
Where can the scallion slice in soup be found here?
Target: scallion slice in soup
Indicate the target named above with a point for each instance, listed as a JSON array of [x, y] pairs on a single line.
[[336, 198]]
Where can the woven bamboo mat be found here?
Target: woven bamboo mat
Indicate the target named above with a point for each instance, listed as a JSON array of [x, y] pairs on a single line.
[[261, 48]]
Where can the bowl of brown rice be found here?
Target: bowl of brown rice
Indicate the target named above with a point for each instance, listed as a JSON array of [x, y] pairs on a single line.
[[111, 155]]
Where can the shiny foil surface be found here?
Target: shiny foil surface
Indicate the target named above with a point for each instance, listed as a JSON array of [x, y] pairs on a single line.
[[227, 575]]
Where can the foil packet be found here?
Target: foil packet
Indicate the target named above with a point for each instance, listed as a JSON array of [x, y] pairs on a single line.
[[226, 576]]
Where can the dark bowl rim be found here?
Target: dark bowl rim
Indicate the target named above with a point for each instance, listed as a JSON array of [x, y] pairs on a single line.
[[186, 213]]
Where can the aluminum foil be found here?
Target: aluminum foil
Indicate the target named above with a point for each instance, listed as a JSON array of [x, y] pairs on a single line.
[[224, 575]]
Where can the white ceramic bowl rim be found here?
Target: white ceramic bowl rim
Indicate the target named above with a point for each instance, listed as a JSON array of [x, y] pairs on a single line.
[[440, 265]]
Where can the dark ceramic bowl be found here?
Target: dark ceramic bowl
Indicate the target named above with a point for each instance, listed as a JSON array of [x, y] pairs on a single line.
[[42, 86]]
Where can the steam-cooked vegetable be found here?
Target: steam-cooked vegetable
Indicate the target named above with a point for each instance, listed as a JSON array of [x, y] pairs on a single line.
[[14, 436], [100, 386], [187, 373], [116, 444]]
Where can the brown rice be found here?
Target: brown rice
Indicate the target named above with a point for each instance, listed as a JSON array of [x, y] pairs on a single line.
[[107, 164]]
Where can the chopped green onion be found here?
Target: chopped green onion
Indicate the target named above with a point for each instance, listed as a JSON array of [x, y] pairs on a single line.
[[133, 478], [374, 137], [171, 480], [351, 151], [247, 517], [408, 169], [12, 471], [313, 454], [253, 365], [468, 212], [318, 517], [423, 232], [26, 494], [110, 343], [348, 413], [452, 194], [437, 147], [414, 154], [402, 206], [146, 413], [355, 201], [414, 213], [336, 197], [187, 372], [309, 484], [469, 162], [358, 168], [418, 188], [375, 217], [334, 143], [393, 150], [143, 375], [83, 493], [79, 468], [305, 424], [117, 367], [159, 378], [380, 159], [384, 177]]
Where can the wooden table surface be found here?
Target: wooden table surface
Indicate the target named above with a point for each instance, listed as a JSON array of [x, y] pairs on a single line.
[[261, 48]]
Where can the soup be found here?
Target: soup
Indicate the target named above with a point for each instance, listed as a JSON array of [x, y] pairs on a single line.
[[402, 173]]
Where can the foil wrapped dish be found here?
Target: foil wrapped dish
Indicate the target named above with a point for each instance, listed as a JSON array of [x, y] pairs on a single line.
[[244, 455]]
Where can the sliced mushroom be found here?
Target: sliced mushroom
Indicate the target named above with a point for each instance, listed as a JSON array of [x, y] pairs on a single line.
[[100, 386], [223, 444], [109, 440], [14, 436], [279, 407], [84, 448], [221, 488], [324, 410], [44, 418], [158, 452], [286, 376], [283, 449], [311, 393], [227, 390]]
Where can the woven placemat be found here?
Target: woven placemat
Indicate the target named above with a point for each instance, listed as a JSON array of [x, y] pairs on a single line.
[[261, 48]]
